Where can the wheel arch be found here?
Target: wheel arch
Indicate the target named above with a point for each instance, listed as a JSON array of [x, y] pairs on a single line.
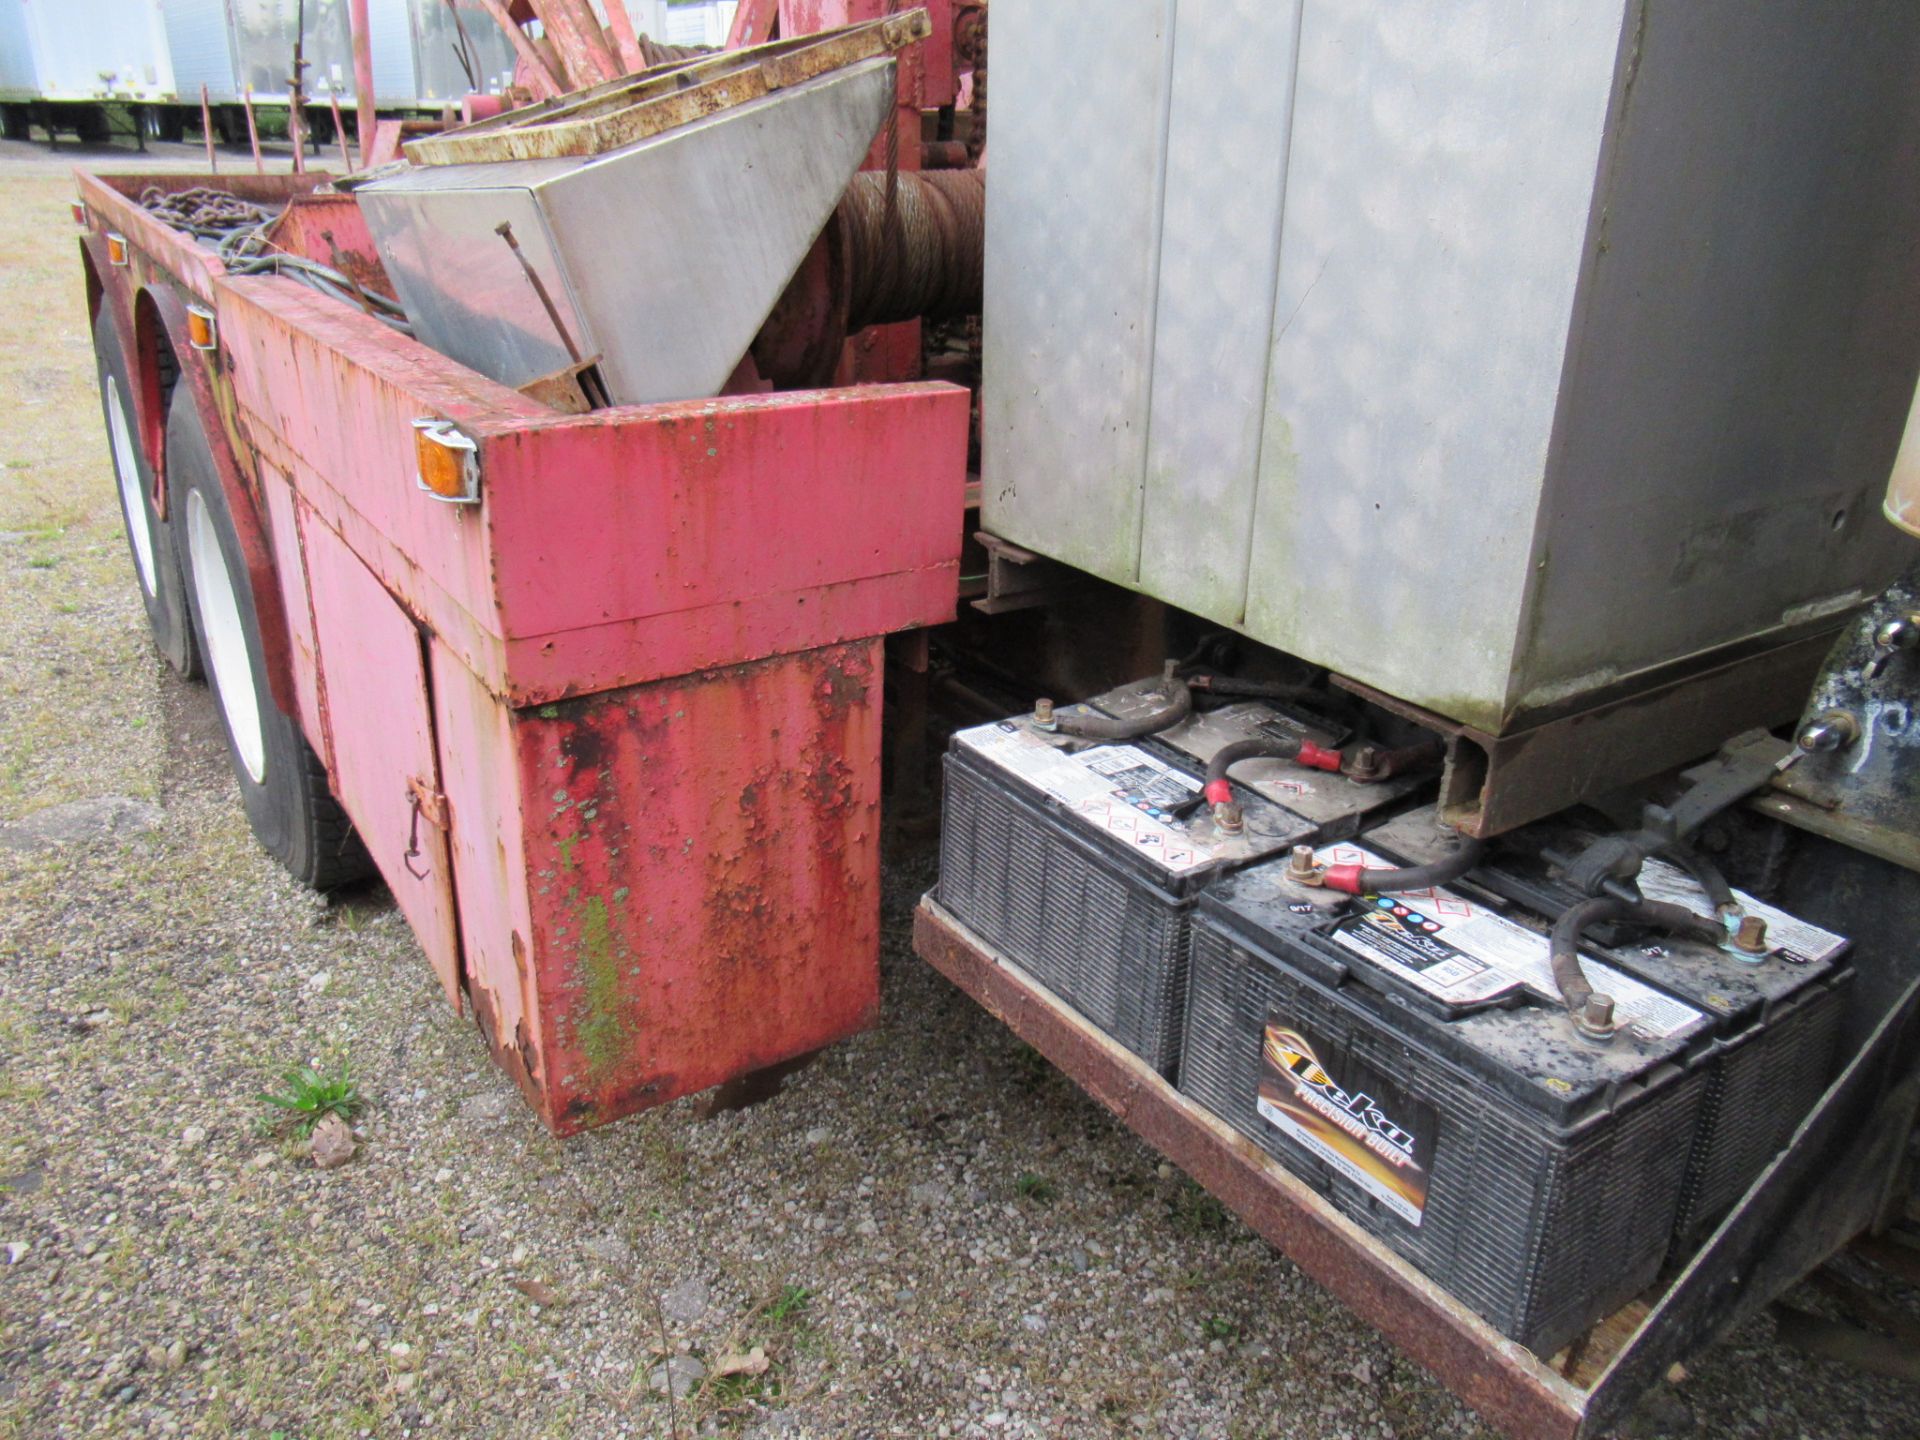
[[193, 385]]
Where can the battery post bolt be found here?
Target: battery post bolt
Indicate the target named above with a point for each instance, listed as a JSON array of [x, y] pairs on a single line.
[[1043, 715], [1302, 869], [1227, 816], [1594, 1020], [1365, 764], [1751, 938]]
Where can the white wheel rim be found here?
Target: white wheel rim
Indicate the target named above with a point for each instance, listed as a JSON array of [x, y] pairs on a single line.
[[127, 472], [224, 638]]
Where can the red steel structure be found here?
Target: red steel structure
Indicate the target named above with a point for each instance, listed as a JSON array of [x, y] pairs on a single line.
[[612, 733]]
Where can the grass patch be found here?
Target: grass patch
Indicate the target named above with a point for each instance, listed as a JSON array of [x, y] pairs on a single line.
[[1037, 1188], [790, 1304], [306, 1096]]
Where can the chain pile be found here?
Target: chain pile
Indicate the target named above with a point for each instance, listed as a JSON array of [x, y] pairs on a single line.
[[239, 229], [202, 211]]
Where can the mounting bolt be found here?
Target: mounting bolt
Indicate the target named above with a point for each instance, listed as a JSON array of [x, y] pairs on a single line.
[[1751, 937], [1366, 763], [1228, 817], [1043, 715], [1829, 731], [1301, 867]]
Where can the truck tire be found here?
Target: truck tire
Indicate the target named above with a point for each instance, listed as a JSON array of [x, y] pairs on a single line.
[[149, 538], [283, 785]]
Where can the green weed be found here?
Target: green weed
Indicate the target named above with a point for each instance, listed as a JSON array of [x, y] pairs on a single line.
[[307, 1096]]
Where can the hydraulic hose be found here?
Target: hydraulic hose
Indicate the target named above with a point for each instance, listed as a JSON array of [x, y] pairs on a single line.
[[1565, 952], [1360, 880], [1101, 727]]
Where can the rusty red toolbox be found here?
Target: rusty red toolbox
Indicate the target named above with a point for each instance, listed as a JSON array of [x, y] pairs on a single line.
[[610, 731]]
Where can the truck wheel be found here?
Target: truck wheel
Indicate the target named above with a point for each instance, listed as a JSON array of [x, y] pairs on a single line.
[[148, 536], [283, 785]]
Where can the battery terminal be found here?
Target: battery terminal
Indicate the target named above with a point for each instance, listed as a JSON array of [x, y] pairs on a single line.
[[1303, 869], [1750, 939], [1594, 1020]]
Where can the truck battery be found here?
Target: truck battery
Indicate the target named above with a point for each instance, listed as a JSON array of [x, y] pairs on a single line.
[[1776, 1021], [1070, 858], [1402, 1056]]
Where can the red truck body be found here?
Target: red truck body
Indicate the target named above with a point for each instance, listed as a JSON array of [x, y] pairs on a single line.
[[612, 733]]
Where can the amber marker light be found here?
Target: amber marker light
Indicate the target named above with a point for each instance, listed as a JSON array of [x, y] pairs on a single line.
[[448, 463], [116, 248], [202, 334]]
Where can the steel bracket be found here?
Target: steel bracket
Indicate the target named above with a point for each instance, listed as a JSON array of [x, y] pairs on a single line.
[[1018, 579]]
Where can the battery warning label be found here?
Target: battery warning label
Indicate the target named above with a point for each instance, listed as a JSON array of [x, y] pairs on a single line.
[[1463, 954], [1349, 1115]]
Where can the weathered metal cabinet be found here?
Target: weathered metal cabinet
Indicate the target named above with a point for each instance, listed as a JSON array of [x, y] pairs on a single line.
[[1500, 355]]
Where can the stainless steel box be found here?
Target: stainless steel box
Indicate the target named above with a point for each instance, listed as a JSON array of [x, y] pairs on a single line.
[[1500, 354], [662, 258]]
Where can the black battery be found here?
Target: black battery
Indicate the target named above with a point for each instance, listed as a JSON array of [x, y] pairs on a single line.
[[1080, 862], [1070, 860], [1776, 1020], [1401, 1057]]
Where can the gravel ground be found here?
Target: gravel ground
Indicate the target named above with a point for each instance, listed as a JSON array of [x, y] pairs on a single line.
[[929, 1233]]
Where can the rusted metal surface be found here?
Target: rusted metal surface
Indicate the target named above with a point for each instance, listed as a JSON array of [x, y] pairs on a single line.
[[753, 23], [1507, 1384], [575, 35], [1495, 783], [605, 117], [304, 226], [703, 856], [928, 78], [533, 65]]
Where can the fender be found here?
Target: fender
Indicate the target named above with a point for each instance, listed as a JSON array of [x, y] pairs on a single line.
[[104, 288], [199, 383]]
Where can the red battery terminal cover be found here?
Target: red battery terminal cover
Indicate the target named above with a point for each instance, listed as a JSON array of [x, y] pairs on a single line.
[[1345, 878]]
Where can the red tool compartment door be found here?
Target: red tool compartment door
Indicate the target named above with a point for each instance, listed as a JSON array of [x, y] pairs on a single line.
[[374, 702]]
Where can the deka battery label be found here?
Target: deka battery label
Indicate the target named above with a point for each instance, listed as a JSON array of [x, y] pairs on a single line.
[[1349, 1115]]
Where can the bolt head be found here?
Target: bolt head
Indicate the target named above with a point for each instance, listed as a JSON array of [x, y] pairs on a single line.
[[1752, 935], [1043, 711], [1228, 817]]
